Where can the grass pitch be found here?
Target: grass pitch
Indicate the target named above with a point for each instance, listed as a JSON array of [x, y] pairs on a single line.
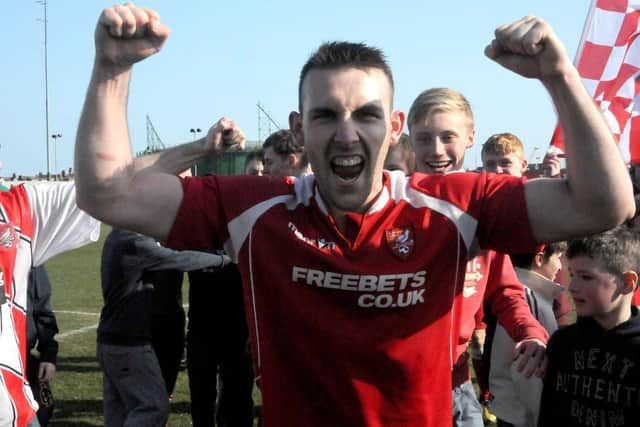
[[77, 301]]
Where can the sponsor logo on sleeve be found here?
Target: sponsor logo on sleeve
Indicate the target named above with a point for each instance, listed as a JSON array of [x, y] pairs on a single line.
[[472, 277], [320, 242]]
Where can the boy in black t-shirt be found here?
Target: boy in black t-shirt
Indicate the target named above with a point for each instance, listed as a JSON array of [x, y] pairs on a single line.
[[593, 373]]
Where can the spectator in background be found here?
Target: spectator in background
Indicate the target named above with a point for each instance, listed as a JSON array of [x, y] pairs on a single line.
[[41, 330], [401, 156], [134, 389], [504, 153], [254, 163], [634, 224], [217, 341], [516, 398], [167, 324], [167, 320], [441, 128], [551, 166], [593, 370], [218, 351], [283, 156], [39, 221]]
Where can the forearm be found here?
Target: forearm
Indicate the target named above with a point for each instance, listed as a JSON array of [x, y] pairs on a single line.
[[174, 160], [103, 154], [108, 187], [597, 181], [513, 313]]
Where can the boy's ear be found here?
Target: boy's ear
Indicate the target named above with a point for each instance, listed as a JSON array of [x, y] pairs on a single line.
[[538, 259], [292, 159], [630, 281], [472, 138]]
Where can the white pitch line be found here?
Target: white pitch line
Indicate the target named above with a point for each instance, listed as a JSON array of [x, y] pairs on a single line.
[[85, 313], [88, 313], [86, 328], [76, 331]]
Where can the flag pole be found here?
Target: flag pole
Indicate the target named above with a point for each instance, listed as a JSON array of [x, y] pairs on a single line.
[[585, 29]]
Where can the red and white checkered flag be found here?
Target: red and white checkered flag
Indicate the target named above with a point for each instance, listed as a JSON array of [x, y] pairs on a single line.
[[608, 61]]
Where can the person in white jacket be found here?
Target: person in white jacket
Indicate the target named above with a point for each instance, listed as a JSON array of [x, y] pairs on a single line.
[[516, 397]]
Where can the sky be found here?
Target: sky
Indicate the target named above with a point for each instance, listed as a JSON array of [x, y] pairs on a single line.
[[223, 58]]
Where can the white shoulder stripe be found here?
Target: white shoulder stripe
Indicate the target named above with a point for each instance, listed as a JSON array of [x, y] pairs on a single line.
[[465, 223], [240, 226]]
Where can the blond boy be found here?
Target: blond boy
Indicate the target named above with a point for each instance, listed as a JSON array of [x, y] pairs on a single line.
[[593, 374], [504, 153], [441, 128]]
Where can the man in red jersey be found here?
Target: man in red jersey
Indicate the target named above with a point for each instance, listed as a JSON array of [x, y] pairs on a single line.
[[354, 327], [441, 128]]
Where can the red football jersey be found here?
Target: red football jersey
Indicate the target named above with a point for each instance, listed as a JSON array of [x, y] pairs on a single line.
[[356, 329]]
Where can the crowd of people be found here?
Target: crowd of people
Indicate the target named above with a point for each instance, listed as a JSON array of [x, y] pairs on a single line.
[[350, 294]]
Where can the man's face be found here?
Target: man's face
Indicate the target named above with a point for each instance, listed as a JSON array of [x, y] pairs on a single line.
[[254, 167], [508, 164], [595, 291], [346, 127], [440, 141], [276, 164], [551, 266]]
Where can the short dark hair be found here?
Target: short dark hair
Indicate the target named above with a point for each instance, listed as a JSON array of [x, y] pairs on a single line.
[[339, 54], [525, 260], [284, 144], [616, 250], [253, 155]]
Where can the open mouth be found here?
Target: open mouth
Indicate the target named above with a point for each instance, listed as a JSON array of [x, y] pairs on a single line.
[[439, 166], [347, 168]]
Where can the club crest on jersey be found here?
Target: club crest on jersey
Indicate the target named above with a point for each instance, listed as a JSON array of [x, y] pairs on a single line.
[[401, 241], [7, 236]]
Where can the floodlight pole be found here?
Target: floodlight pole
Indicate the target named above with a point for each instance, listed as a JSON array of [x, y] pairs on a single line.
[[195, 132], [46, 92]]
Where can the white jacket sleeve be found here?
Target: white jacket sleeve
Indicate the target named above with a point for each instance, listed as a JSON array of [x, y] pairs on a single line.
[[59, 225]]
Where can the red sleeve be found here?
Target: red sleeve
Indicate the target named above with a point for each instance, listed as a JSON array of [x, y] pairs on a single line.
[[508, 301], [495, 202], [199, 219], [479, 316], [210, 202], [503, 220]]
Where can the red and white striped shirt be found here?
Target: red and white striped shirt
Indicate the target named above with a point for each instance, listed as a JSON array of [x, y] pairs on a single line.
[[37, 221]]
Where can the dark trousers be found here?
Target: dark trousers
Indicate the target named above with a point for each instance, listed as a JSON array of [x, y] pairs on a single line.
[[207, 358], [167, 339]]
